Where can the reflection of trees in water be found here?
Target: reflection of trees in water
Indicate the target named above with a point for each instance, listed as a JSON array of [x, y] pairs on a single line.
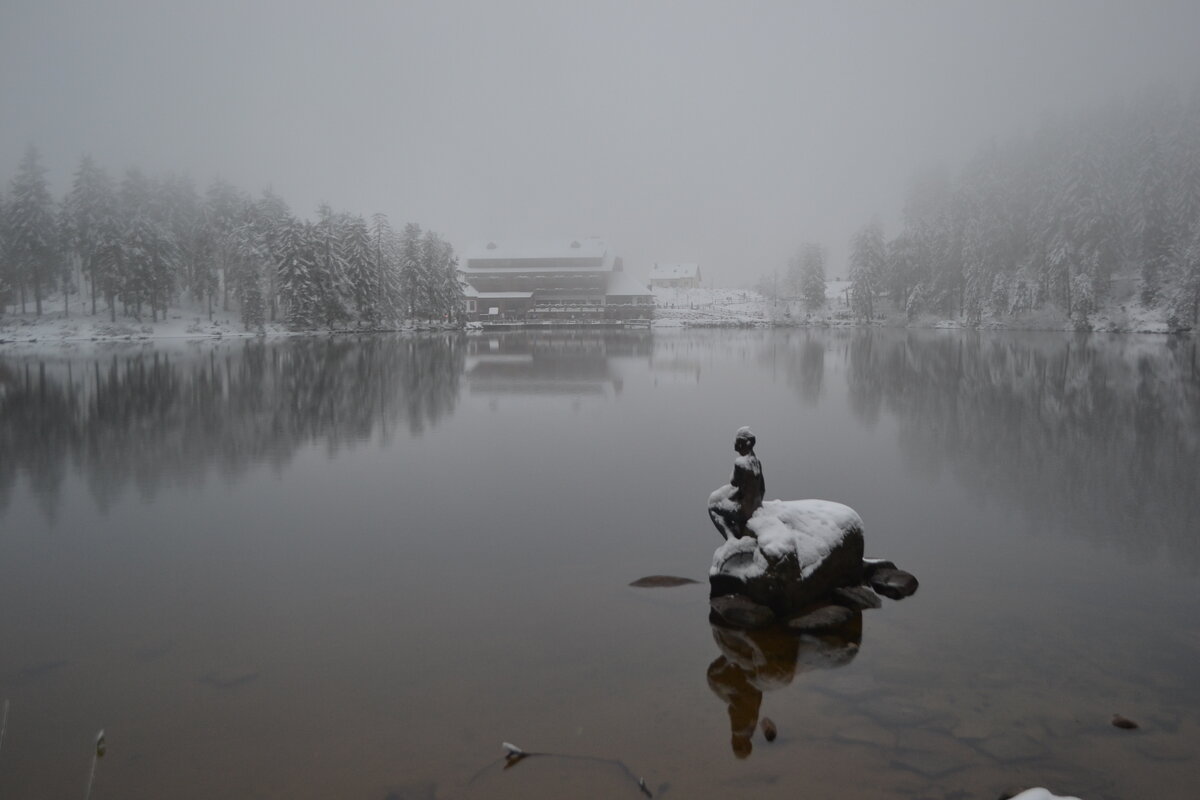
[[150, 417], [1099, 434], [800, 356]]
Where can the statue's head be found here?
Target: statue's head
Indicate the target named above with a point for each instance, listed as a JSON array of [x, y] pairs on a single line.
[[744, 441]]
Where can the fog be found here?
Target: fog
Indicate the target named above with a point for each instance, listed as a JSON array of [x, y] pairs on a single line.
[[722, 133]]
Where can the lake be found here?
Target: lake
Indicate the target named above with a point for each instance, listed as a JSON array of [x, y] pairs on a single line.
[[353, 567]]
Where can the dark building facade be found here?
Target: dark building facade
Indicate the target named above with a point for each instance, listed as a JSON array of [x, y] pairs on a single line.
[[570, 281]]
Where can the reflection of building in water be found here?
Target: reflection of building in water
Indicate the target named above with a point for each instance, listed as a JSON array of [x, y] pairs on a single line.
[[580, 280], [755, 662], [543, 363]]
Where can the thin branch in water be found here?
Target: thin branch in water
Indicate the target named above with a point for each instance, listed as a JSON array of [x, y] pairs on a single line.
[[514, 755], [98, 754], [3, 723]]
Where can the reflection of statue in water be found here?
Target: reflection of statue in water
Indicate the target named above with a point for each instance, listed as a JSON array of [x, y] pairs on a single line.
[[754, 662], [731, 506]]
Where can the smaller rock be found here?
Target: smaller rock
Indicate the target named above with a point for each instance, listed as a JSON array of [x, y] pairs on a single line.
[[872, 565], [769, 730], [822, 619], [741, 612], [894, 583], [1124, 723], [858, 598], [661, 582]]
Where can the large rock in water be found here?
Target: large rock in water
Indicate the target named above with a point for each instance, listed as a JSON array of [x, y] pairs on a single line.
[[798, 553]]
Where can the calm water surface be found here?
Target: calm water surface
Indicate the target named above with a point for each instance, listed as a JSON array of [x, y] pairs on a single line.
[[353, 567]]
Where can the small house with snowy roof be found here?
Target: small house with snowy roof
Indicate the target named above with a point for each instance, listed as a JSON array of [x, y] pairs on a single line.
[[571, 281], [675, 276]]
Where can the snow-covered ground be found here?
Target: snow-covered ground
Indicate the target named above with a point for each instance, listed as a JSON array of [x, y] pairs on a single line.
[[709, 307], [704, 307], [54, 326], [81, 326], [744, 307]]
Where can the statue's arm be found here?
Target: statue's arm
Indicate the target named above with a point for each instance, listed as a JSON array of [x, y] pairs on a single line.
[[740, 475]]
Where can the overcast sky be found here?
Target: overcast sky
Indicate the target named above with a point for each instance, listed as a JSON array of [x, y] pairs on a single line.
[[719, 132]]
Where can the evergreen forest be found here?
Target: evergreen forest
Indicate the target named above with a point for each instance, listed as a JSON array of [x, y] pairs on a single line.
[[137, 246]]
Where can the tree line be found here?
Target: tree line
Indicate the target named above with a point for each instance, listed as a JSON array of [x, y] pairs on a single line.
[[1057, 218], [140, 245], [804, 278]]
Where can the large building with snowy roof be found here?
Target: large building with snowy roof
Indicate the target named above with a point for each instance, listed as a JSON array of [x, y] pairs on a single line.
[[675, 276], [578, 280]]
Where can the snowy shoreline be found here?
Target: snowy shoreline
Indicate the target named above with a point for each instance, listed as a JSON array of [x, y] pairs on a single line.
[[675, 309]]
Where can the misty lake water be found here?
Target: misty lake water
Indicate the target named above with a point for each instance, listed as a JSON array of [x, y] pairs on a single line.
[[352, 567]]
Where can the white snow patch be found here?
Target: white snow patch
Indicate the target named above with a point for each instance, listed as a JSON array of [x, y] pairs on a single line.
[[55, 327], [809, 528], [1038, 793], [748, 463]]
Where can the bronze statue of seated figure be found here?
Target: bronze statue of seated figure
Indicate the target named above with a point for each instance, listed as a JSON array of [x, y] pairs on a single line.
[[731, 506]]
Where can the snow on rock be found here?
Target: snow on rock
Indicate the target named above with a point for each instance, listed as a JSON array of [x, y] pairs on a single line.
[[799, 552], [1038, 793]]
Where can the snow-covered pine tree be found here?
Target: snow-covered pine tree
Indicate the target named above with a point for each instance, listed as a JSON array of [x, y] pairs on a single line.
[[867, 262], [976, 270], [294, 270], [1093, 233], [927, 218], [793, 277], [812, 275], [1153, 218], [150, 255], [138, 241], [6, 261], [1185, 167], [164, 257], [248, 259], [273, 218], [411, 279], [385, 257], [222, 205], [1185, 304], [90, 204], [448, 290], [179, 212], [362, 277], [109, 265], [329, 273], [67, 259], [901, 269], [32, 229]]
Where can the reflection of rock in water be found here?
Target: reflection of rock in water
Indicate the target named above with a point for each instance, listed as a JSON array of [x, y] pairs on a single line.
[[754, 662]]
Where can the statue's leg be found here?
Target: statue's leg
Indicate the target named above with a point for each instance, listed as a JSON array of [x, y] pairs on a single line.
[[722, 521]]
